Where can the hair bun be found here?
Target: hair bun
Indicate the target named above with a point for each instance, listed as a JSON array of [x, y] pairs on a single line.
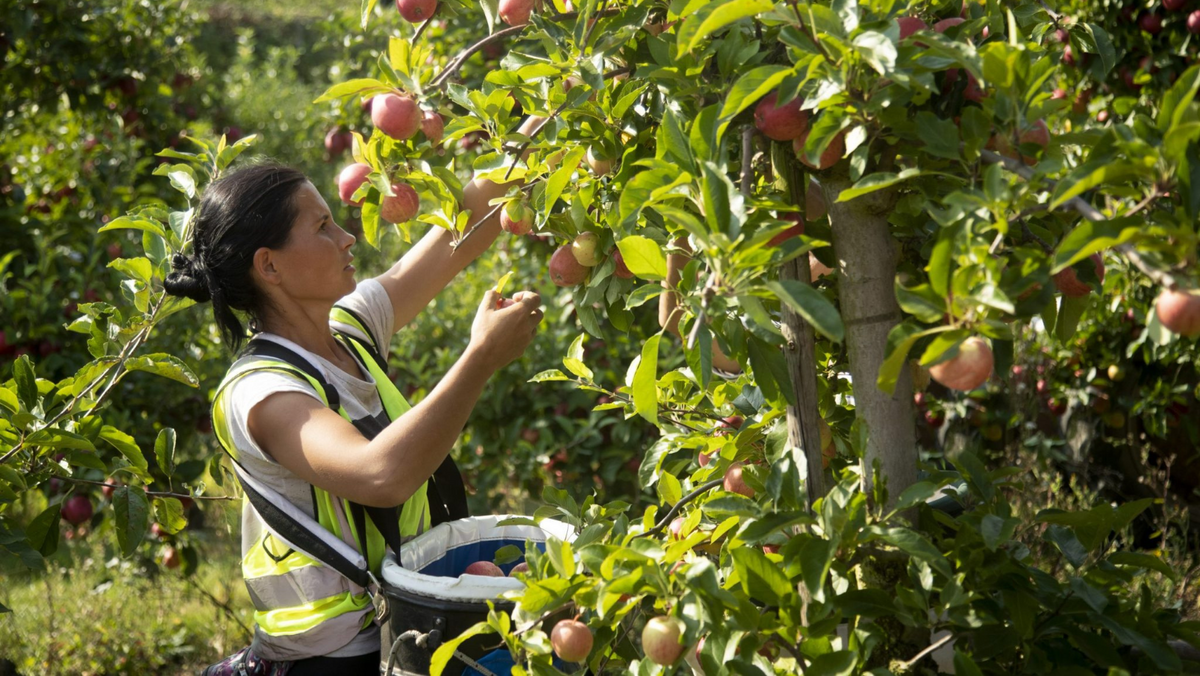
[[189, 278]]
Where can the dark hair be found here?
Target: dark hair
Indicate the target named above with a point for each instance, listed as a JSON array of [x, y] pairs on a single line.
[[239, 214]]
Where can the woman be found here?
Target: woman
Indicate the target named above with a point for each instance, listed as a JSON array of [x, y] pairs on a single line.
[[267, 245]]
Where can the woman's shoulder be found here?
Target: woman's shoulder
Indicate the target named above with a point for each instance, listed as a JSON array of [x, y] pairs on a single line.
[[366, 313]]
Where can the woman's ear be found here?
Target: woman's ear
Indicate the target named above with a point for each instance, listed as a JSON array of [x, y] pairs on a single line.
[[264, 266]]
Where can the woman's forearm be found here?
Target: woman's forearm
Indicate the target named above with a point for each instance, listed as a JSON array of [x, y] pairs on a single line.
[[414, 445]]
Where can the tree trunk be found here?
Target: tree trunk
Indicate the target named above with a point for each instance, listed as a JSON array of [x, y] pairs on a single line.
[[866, 264], [802, 419]]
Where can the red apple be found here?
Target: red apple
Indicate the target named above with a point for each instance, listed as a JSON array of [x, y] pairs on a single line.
[[338, 141], [531, 435], [1151, 23], [676, 528], [661, 640], [416, 10], [622, 271], [521, 567], [77, 509], [1174, 5], [1179, 311], [780, 123], [157, 531], [734, 483], [833, 151], [171, 558], [1037, 134], [968, 369], [705, 458], [516, 218], [486, 568], [109, 488], [571, 640], [816, 269], [515, 12], [583, 248], [433, 126], [1068, 282], [564, 269], [397, 116], [935, 418], [349, 181], [1193, 22], [909, 25], [402, 206], [1056, 405], [1058, 94], [946, 24]]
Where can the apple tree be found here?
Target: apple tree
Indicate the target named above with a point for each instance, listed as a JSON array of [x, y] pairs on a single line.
[[842, 198]]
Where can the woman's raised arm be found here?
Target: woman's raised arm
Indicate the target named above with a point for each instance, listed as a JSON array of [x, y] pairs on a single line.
[[422, 273]]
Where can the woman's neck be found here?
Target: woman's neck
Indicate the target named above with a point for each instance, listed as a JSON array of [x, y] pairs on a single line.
[[308, 329]]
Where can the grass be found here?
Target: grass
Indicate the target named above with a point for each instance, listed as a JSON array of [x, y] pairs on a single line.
[[93, 612]]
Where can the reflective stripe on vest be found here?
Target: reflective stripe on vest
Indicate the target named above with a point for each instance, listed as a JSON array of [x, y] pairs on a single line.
[[304, 608]]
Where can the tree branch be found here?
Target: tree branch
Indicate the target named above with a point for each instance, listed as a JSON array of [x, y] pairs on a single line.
[[1093, 214], [426, 22], [936, 644], [702, 488]]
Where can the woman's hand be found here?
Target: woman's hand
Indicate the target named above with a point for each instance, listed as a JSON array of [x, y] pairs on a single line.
[[503, 328]]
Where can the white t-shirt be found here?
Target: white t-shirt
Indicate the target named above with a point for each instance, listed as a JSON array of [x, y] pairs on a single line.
[[359, 398]]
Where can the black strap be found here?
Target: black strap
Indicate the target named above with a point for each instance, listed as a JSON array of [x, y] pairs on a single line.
[[292, 531], [273, 350], [374, 342]]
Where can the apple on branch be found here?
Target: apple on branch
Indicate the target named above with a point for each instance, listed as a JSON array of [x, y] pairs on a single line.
[[662, 640], [397, 116], [516, 217], [583, 248], [571, 640], [402, 206], [414, 11], [349, 181], [1179, 311], [968, 369], [565, 270], [780, 122]]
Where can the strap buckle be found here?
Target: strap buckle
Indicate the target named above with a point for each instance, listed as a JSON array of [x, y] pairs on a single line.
[[378, 599]]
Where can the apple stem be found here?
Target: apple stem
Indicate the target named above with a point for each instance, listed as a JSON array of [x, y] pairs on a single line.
[[666, 520], [1161, 277]]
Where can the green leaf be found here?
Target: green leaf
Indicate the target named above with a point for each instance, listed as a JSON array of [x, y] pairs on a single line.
[[53, 437], [669, 489], [559, 180], [124, 444], [549, 375], [1092, 174], [1069, 313], [964, 665], [760, 578], [644, 257], [940, 136], [168, 512], [1175, 102], [877, 181], [140, 269], [135, 223], [165, 365], [42, 533], [867, 603], [1091, 237], [877, 51], [840, 663], [441, 656], [918, 546], [348, 88], [751, 87], [812, 305], [164, 450], [1145, 561], [1068, 544], [132, 511], [713, 17], [26, 382], [645, 381], [921, 302], [900, 341]]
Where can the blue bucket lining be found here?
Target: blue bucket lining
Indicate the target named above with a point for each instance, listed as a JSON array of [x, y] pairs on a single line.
[[454, 561]]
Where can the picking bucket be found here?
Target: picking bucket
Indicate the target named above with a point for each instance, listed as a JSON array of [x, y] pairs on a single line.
[[430, 601]]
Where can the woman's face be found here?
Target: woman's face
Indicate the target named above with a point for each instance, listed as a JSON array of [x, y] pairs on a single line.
[[314, 264]]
